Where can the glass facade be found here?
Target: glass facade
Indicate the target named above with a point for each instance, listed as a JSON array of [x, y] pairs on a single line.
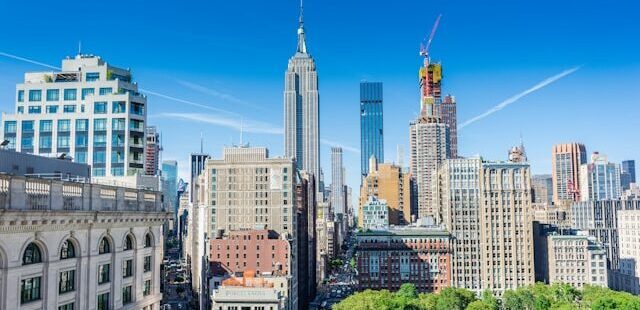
[[371, 124]]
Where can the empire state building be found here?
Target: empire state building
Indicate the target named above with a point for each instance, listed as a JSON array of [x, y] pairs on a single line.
[[301, 113]]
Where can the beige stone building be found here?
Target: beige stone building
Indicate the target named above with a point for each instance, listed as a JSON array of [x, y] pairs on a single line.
[[388, 181], [578, 260], [486, 206]]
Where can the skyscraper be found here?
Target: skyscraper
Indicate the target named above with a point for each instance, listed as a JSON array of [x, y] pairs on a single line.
[[566, 160], [197, 164], [488, 214], [371, 124], [600, 179], [337, 181], [628, 174], [89, 110], [170, 179], [301, 112], [151, 151], [447, 110]]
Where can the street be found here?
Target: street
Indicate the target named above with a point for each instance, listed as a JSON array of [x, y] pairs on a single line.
[[341, 281], [176, 294]]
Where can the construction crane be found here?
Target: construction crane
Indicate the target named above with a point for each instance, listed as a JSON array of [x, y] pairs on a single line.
[[424, 46]]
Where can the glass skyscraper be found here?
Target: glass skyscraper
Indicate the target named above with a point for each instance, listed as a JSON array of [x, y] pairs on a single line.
[[371, 128], [628, 175]]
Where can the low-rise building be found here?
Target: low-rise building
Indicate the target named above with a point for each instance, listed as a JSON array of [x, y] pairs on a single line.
[[375, 214], [260, 250], [251, 293], [411, 254], [578, 260]]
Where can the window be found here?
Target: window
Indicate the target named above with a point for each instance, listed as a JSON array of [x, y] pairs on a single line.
[[30, 290], [70, 94], [63, 141], [127, 268], [68, 306], [21, 96], [147, 263], [87, 92], [136, 124], [117, 140], [100, 140], [81, 157], [118, 107], [126, 295], [32, 255], [117, 171], [53, 94], [52, 109], [10, 127], [147, 288], [103, 301], [69, 108], [100, 107], [27, 126], [27, 142], [137, 108], [46, 125], [45, 142], [128, 243], [68, 250], [99, 172], [35, 110], [104, 273], [20, 110], [64, 125], [82, 124], [117, 157], [12, 143], [35, 95], [105, 91], [81, 139], [105, 246], [100, 124], [118, 124], [148, 241], [92, 76], [67, 281]]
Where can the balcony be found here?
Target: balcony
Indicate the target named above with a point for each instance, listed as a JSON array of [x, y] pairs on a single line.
[[39, 194]]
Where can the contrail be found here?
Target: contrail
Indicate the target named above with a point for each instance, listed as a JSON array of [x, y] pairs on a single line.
[[28, 60], [344, 147], [216, 93], [517, 97]]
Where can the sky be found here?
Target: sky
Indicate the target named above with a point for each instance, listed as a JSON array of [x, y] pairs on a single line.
[[549, 71]]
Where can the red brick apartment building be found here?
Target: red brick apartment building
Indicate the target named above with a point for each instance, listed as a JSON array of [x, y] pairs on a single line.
[[259, 250]]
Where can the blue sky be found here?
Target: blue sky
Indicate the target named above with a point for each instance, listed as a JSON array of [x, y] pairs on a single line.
[[231, 55]]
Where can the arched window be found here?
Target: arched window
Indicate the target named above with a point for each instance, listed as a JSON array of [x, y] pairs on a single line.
[[105, 246], [32, 255], [147, 240], [128, 243], [68, 250]]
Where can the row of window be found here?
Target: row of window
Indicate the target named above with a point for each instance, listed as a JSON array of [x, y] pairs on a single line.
[[69, 94], [64, 125], [99, 107]]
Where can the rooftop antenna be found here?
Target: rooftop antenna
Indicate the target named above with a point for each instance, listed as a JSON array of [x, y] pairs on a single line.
[[79, 47], [201, 143]]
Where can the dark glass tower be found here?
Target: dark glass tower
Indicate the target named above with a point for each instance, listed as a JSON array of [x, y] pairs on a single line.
[[628, 174], [371, 133]]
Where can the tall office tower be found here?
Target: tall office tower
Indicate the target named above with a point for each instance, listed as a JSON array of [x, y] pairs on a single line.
[[600, 218], [306, 228], [301, 109], [629, 242], [77, 244], [337, 181], [565, 171], [371, 124], [197, 165], [490, 207], [89, 110], [628, 174], [428, 136], [170, 179], [387, 181], [600, 179], [542, 189], [152, 150], [246, 191], [447, 110]]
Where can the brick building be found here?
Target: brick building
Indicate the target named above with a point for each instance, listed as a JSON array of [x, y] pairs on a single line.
[[260, 250]]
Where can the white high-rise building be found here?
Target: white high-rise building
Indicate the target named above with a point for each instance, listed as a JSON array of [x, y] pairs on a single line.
[[337, 181], [301, 112], [600, 179], [89, 110]]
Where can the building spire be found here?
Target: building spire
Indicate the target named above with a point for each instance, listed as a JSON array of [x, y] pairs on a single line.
[[302, 45]]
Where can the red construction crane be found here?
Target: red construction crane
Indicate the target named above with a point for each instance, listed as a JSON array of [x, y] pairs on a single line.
[[572, 190]]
